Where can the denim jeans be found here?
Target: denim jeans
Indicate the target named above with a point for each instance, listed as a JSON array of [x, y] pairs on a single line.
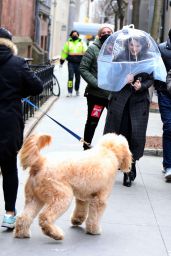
[[165, 110]]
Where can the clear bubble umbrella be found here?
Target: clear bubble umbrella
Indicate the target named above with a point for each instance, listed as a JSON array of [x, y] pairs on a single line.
[[127, 53]]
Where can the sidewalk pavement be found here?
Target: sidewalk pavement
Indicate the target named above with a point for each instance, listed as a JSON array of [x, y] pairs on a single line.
[[137, 219]]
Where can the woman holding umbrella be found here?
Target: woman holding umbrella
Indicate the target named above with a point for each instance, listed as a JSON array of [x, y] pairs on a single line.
[[128, 109]]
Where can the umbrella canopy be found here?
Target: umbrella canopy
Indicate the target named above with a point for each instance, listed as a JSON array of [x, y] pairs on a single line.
[[128, 52]]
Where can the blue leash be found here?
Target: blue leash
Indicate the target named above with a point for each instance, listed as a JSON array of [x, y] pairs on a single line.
[[64, 127]]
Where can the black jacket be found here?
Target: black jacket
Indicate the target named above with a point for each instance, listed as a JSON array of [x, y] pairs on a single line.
[[16, 81], [165, 50]]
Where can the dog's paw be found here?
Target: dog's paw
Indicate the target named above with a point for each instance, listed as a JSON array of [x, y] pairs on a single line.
[[77, 221], [53, 232], [93, 229], [22, 227], [57, 236], [57, 233], [20, 234]]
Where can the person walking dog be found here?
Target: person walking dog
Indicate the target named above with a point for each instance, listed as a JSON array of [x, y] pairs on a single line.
[[17, 80]]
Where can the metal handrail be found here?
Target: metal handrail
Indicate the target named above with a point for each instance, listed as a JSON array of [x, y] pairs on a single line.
[[45, 73]]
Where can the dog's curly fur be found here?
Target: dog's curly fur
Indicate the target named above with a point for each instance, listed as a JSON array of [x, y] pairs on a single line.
[[88, 175]]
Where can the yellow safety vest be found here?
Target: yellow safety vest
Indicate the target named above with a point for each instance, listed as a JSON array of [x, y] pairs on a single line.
[[73, 48]]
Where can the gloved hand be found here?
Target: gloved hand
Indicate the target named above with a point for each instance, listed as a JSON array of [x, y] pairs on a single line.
[[61, 62]]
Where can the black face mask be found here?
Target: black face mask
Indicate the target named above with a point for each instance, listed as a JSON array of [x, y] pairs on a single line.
[[74, 38], [103, 38]]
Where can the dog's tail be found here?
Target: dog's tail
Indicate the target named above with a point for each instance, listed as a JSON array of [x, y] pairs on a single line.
[[30, 151]]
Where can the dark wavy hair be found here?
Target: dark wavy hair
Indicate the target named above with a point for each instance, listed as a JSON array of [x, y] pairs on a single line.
[[142, 40], [73, 31]]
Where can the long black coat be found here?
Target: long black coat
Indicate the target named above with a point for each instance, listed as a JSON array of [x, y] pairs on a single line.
[[16, 81], [138, 109]]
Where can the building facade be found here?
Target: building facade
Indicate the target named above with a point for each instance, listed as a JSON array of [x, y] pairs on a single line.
[[41, 45], [59, 25], [29, 22], [19, 18]]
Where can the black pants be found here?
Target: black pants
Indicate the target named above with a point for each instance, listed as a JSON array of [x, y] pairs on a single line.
[[10, 182], [95, 106], [73, 69]]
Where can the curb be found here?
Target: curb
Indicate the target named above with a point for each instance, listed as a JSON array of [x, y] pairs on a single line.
[[154, 110], [32, 121], [153, 152]]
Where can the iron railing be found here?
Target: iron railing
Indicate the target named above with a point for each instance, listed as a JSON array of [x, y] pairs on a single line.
[[45, 73]]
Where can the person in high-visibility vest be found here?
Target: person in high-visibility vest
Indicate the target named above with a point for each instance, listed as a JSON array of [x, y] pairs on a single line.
[[73, 51]]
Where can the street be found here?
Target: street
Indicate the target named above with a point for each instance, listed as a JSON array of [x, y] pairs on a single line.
[[137, 219]]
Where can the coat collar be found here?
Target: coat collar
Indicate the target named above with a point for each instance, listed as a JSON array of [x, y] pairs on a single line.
[[9, 44], [97, 43]]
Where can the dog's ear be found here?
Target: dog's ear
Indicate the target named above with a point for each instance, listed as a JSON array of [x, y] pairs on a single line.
[[125, 154], [126, 161]]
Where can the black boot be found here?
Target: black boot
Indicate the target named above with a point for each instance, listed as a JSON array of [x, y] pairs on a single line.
[[127, 180], [86, 146], [133, 172]]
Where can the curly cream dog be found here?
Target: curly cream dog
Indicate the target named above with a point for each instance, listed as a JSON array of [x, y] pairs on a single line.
[[88, 175]]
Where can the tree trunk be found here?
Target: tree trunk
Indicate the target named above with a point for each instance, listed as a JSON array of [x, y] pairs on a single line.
[[116, 22], [155, 32], [136, 13], [121, 21], [144, 22], [121, 11]]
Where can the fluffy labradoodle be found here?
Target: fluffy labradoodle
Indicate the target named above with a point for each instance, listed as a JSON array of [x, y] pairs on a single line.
[[87, 175]]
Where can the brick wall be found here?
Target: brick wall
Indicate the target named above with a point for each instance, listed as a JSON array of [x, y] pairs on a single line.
[[18, 16]]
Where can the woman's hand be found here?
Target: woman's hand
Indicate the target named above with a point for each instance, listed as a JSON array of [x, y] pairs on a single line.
[[137, 85], [130, 78]]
